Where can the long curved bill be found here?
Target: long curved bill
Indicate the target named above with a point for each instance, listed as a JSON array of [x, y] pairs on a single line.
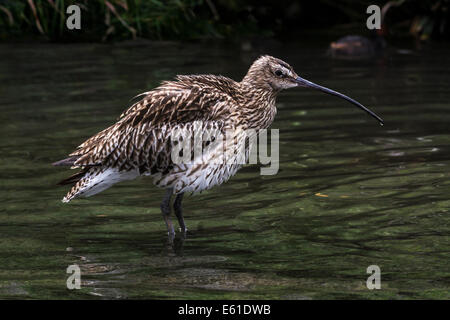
[[305, 83]]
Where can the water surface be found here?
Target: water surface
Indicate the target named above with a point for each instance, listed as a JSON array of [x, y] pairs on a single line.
[[349, 193]]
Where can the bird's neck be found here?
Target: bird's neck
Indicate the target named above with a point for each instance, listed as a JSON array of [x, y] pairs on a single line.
[[258, 105]]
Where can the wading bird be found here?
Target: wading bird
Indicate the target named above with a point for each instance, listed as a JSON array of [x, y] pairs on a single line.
[[139, 143], [358, 47]]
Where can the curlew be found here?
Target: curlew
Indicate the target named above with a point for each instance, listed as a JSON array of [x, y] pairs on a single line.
[[141, 141]]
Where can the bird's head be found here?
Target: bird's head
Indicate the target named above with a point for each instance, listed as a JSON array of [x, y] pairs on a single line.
[[271, 74]]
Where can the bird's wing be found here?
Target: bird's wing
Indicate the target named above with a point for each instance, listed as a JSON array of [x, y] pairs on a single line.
[[141, 137]]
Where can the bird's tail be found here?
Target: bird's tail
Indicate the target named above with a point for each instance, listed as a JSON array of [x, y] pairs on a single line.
[[73, 178], [93, 180], [66, 162]]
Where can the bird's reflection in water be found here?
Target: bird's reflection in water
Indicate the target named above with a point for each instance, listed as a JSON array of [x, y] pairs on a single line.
[[175, 242]]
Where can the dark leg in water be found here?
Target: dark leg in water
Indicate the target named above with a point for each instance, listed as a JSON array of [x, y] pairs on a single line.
[[165, 209], [179, 211]]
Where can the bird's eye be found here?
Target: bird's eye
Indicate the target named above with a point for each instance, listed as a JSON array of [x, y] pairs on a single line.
[[278, 73]]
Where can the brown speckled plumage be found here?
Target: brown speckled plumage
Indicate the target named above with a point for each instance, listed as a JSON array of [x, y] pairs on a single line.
[[139, 142]]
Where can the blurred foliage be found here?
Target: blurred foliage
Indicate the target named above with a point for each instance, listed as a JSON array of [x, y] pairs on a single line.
[[196, 19]]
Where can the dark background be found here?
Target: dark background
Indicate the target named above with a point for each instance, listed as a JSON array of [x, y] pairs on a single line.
[[283, 20]]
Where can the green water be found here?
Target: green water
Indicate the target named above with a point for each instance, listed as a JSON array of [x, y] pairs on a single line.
[[349, 193]]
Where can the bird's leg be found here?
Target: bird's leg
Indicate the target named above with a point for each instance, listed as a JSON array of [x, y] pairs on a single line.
[[165, 209], [179, 212]]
